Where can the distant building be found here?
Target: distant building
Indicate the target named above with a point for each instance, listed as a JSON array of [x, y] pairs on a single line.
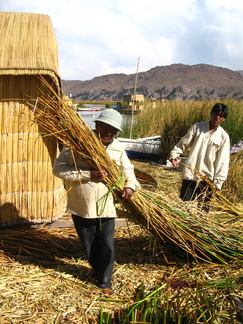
[[133, 102]]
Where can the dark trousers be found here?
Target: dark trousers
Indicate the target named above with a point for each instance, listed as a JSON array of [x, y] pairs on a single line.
[[191, 190], [97, 236]]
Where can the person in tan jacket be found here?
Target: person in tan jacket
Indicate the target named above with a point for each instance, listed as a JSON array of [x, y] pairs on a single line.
[[207, 146], [93, 220]]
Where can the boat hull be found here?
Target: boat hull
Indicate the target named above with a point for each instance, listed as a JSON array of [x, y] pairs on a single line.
[[142, 149], [136, 155], [89, 109]]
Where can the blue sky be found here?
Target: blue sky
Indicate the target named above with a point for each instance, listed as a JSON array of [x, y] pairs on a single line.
[[97, 37]]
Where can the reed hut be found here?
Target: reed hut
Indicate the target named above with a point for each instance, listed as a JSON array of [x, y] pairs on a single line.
[[29, 193]]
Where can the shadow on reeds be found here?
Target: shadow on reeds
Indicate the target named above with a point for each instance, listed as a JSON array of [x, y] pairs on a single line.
[[60, 249], [9, 216], [146, 250], [44, 247]]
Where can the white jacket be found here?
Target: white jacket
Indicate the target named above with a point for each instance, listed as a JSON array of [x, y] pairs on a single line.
[[83, 194], [209, 154]]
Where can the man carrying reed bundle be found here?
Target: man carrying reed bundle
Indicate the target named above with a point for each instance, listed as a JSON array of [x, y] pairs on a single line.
[[208, 148], [90, 201]]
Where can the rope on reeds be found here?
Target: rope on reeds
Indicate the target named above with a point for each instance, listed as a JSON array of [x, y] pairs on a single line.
[[103, 199], [202, 236]]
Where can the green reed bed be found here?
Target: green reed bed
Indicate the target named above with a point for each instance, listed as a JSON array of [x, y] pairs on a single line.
[[233, 186], [107, 104]]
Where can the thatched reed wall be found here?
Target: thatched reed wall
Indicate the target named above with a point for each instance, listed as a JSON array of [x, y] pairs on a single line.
[[29, 193]]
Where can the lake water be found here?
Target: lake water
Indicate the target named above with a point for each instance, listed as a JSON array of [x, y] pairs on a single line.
[[89, 116]]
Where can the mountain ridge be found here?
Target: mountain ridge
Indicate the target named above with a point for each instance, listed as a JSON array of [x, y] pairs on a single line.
[[171, 82]]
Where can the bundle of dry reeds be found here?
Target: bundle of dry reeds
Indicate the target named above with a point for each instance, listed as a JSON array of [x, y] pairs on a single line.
[[202, 236]]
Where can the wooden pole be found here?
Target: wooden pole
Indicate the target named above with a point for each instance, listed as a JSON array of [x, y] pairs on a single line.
[[134, 96]]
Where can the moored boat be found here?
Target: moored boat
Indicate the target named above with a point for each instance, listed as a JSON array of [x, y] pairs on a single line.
[[147, 148], [89, 109]]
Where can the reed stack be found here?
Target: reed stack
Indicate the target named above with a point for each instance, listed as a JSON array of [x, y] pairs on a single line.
[[29, 193]]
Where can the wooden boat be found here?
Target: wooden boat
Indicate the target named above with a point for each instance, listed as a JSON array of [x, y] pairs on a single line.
[[147, 148], [89, 109], [236, 148]]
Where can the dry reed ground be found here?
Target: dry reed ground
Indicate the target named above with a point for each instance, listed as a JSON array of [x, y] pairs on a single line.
[[44, 276]]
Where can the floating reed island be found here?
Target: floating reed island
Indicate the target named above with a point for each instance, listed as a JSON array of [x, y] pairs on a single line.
[[207, 237]]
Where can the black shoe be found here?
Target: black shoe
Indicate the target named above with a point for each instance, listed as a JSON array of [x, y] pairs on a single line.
[[104, 285], [107, 291]]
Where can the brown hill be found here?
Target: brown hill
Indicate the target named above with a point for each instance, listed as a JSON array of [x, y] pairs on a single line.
[[176, 81]]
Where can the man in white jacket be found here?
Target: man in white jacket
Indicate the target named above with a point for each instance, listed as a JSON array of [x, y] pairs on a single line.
[[95, 225], [207, 146]]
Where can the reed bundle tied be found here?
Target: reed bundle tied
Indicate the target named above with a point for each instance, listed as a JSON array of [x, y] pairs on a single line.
[[202, 236]]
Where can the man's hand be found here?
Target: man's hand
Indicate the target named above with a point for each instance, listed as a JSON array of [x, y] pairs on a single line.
[[127, 193], [175, 162], [98, 175]]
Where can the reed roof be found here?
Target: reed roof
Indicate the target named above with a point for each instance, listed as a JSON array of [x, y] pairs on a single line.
[[28, 45]]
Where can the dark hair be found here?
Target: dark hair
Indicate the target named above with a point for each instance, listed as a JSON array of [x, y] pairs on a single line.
[[221, 109]]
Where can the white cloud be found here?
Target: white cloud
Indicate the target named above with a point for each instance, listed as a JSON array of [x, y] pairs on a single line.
[[97, 37]]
